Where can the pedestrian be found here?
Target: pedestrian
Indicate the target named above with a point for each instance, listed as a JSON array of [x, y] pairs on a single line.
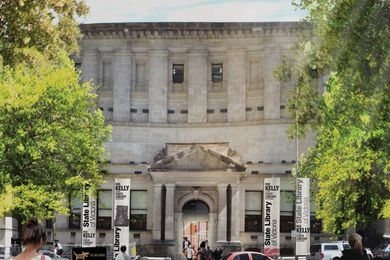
[[58, 249], [34, 237], [122, 255], [190, 253], [357, 252], [186, 244]]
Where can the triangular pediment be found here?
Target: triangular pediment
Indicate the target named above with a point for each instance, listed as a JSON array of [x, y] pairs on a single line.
[[196, 157]]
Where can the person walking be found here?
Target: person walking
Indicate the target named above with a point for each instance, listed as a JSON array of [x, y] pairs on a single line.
[[34, 237], [357, 252], [190, 253], [122, 255]]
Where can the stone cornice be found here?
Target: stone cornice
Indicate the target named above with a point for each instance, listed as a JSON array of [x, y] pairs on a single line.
[[190, 30]]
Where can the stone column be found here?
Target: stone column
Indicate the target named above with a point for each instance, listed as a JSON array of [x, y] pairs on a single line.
[[121, 89], [89, 65], [158, 86], [236, 80], [222, 203], [197, 86], [179, 232], [235, 212], [156, 231], [212, 235], [272, 86], [170, 212]]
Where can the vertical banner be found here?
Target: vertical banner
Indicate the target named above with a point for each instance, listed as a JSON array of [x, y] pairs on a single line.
[[302, 217], [271, 216], [121, 215], [88, 227]]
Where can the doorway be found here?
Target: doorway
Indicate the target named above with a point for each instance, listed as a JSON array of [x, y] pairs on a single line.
[[196, 222]]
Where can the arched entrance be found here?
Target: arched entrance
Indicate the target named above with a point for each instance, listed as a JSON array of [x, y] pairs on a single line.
[[196, 221]]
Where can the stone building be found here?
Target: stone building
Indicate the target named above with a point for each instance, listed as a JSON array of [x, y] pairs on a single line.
[[198, 122]]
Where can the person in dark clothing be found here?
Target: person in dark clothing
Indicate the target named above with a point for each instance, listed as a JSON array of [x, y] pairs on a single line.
[[357, 252]]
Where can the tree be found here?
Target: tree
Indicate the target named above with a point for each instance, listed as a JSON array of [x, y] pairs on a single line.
[[348, 46], [51, 137], [47, 25]]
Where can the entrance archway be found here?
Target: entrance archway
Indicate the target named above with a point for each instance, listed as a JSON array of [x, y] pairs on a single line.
[[196, 221]]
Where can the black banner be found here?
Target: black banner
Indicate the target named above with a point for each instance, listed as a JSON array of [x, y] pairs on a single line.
[[89, 253]]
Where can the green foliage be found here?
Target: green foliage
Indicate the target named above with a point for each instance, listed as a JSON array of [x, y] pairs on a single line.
[[47, 25], [349, 48], [51, 138]]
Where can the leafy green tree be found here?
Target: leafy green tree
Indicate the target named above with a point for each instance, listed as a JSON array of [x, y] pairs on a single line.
[[348, 46], [51, 137], [47, 25]]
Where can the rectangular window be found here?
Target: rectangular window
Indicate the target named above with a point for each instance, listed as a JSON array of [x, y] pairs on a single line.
[[75, 212], [104, 209], [286, 211], [253, 218], [217, 73], [140, 76], [138, 210], [106, 79], [178, 73]]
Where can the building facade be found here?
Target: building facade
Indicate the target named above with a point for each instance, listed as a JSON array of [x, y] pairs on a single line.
[[198, 122]]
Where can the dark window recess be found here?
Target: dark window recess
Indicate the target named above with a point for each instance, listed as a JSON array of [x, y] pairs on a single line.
[[138, 210], [210, 111], [293, 161], [286, 224], [288, 172], [261, 162], [171, 111], [315, 225], [104, 209], [229, 213], [283, 161], [101, 108], [133, 110], [253, 223], [102, 235], [136, 235], [223, 110], [77, 66], [282, 107], [131, 162], [248, 109], [162, 212], [138, 221], [74, 220], [217, 73], [249, 162], [316, 238], [110, 109], [255, 172], [144, 163], [145, 111], [178, 73], [137, 172], [254, 237], [185, 111], [49, 223], [260, 108]]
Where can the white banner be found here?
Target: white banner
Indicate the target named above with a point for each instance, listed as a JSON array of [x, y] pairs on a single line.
[[121, 215], [88, 226], [271, 216], [302, 219]]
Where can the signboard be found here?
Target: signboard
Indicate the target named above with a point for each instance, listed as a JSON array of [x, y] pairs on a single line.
[[88, 226], [302, 219], [121, 215], [93, 253], [271, 216]]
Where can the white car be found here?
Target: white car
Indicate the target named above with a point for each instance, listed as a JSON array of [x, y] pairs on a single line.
[[328, 251]]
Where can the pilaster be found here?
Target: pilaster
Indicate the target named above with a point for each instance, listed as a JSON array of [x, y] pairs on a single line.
[[197, 86], [170, 212], [156, 231], [236, 80], [158, 86], [89, 65], [272, 86], [222, 211], [121, 89]]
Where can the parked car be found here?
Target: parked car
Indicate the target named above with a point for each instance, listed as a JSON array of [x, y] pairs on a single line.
[[246, 255], [382, 252], [328, 251], [52, 255]]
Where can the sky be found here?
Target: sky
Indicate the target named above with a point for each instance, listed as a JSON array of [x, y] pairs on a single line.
[[109, 11]]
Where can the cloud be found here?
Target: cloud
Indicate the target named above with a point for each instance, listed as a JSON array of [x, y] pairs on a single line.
[[191, 10]]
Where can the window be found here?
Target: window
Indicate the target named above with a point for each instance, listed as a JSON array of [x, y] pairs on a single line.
[[106, 78], [286, 211], [75, 212], [216, 73], [258, 257], [104, 209], [253, 219], [140, 76], [331, 247], [138, 209], [49, 223], [241, 257], [178, 73]]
